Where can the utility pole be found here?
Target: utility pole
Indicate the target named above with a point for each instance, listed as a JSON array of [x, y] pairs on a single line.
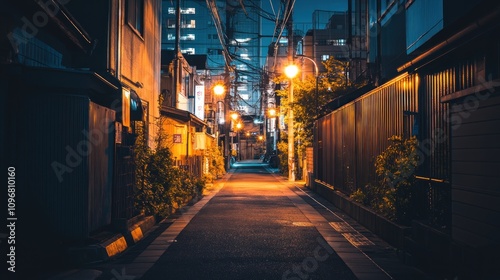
[[227, 120], [177, 57], [291, 144]]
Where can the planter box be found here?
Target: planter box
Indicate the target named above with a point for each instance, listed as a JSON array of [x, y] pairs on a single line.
[[389, 231]]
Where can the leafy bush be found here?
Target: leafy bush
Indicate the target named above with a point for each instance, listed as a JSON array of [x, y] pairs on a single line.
[[283, 157], [216, 167], [161, 186], [391, 195], [359, 196]]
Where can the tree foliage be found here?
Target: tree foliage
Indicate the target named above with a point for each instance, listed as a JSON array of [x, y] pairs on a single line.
[[160, 185], [310, 100], [215, 164], [391, 195]]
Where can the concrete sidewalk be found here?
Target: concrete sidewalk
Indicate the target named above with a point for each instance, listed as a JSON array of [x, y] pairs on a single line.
[[368, 256]]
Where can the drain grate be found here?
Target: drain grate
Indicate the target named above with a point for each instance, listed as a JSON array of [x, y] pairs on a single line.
[[350, 234]]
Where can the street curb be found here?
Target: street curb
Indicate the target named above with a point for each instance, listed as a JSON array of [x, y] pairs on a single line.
[[114, 245], [136, 232]]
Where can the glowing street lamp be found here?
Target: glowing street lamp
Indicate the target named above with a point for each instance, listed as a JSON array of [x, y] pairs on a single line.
[[291, 71], [234, 116], [219, 90], [272, 112]]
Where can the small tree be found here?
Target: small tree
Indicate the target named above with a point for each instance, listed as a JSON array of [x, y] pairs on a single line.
[[395, 167], [283, 156], [309, 102], [153, 174], [160, 186], [215, 164], [396, 170]]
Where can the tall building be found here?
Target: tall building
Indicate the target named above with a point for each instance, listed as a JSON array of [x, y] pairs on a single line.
[[198, 34], [328, 38], [356, 39], [227, 32]]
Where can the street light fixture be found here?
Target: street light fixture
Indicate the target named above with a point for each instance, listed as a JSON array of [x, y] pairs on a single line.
[[219, 90], [291, 71], [272, 112], [234, 116]]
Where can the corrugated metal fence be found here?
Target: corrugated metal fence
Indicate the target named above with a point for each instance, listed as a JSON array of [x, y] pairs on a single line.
[[349, 139]]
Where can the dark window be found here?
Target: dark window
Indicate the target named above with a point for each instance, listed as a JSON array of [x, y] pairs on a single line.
[[135, 14]]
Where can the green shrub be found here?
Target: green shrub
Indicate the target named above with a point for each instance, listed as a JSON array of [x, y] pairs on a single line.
[[283, 157], [359, 196], [216, 166], [161, 186], [395, 167]]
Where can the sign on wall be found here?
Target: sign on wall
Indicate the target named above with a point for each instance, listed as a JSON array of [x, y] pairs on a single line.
[[177, 138], [199, 101]]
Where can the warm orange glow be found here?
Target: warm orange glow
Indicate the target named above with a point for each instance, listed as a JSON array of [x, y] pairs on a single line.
[[219, 89], [272, 112], [239, 125], [234, 116], [261, 137], [291, 71]]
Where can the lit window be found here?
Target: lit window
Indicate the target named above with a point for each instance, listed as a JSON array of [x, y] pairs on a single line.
[[171, 23], [242, 67], [325, 57], [135, 14], [188, 11], [189, 24], [192, 11], [188, 37], [188, 51], [170, 37], [337, 42]]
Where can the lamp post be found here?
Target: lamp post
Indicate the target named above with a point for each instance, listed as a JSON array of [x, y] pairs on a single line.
[[291, 71], [239, 126], [234, 127], [316, 74], [220, 90]]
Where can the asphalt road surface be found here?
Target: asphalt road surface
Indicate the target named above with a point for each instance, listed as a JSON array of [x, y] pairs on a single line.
[[249, 230], [258, 226]]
